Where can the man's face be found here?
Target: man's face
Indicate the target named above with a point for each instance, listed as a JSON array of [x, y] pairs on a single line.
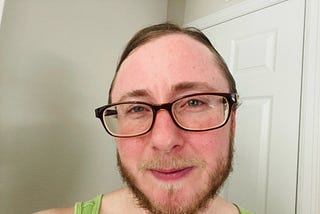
[[171, 170]]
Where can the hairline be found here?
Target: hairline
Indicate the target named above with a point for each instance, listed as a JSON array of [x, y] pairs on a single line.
[[191, 32]]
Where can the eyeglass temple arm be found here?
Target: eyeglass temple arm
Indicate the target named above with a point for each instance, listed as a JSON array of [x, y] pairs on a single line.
[[107, 113]]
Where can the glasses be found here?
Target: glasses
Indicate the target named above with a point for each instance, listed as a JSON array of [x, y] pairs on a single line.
[[194, 112]]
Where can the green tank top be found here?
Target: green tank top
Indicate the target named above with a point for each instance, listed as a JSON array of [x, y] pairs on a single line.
[[88, 207], [93, 206], [243, 211]]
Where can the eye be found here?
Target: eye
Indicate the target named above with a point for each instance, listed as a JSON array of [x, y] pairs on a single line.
[[133, 110], [194, 102], [136, 109]]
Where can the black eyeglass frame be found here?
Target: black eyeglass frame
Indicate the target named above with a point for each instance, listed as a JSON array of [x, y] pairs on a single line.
[[232, 99]]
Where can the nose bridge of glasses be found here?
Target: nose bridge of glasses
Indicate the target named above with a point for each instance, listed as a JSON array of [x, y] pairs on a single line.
[[163, 107]]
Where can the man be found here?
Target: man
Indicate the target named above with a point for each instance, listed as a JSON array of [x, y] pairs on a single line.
[[172, 109]]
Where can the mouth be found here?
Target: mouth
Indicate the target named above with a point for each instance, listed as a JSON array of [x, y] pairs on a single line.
[[171, 174]]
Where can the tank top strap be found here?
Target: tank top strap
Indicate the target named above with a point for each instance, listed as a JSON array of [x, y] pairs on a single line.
[[241, 210], [88, 207]]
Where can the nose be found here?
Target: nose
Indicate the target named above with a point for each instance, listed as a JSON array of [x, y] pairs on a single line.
[[165, 136]]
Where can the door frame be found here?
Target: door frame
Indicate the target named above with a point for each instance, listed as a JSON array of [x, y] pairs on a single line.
[[232, 12], [308, 185], [1, 9]]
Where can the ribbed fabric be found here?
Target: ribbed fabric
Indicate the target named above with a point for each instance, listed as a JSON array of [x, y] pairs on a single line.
[[243, 211], [88, 207]]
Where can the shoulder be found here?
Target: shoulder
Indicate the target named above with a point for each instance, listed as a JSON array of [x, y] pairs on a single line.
[[119, 201], [114, 200], [68, 210], [222, 206]]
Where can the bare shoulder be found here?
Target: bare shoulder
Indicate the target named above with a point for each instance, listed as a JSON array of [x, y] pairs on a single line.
[[67, 210], [114, 198], [116, 195], [119, 201], [223, 206]]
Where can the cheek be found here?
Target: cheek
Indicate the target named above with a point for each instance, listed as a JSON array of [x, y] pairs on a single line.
[[130, 150], [211, 145]]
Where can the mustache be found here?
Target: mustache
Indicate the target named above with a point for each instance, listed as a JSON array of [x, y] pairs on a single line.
[[171, 162]]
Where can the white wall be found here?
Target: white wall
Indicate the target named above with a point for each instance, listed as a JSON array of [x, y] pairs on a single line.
[[175, 12], [195, 9], [57, 59], [186, 11]]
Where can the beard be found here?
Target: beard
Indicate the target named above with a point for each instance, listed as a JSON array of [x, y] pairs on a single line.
[[199, 202]]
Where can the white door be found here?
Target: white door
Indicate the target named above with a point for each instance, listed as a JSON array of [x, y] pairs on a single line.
[[264, 52]]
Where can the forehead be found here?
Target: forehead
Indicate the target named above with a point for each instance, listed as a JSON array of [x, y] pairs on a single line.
[[160, 66]]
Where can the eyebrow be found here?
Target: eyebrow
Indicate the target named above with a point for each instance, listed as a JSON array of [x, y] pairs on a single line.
[[135, 94], [175, 89], [185, 86]]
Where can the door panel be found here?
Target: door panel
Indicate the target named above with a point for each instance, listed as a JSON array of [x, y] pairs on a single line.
[[264, 52]]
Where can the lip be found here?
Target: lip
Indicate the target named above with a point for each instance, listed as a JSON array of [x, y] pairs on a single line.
[[171, 174]]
